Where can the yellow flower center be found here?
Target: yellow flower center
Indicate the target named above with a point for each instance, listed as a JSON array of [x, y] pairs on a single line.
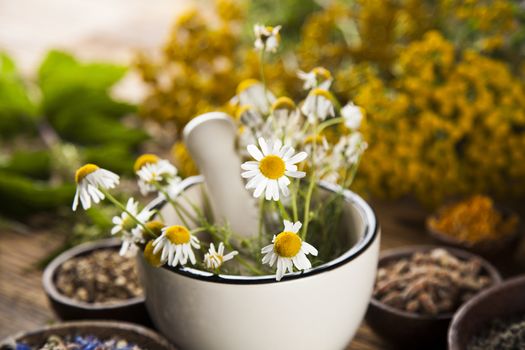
[[246, 84], [287, 244], [155, 226], [272, 167], [178, 234], [283, 103], [128, 223], [241, 110], [145, 159], [322, 72], [84, 171], [152, 259], [314, 138], [324, 93]]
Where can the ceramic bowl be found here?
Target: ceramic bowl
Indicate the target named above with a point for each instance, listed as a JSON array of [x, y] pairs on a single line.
[[131, 310], [487, 247], [317, 309], [411, 329], [143, 337], [500, 301]]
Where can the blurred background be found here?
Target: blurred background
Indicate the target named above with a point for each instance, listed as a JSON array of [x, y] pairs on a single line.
[[104, 81]]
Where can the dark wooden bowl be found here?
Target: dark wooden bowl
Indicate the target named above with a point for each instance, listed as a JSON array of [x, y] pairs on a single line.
[[504, 300], [143, 337], [408, 329], [487, 247], [131, 310]]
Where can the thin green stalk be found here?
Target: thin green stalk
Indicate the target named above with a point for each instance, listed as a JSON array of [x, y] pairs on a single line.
[[179, 214], [178, 208], [261, 220], [294, 201], [282, 209], [311, 186], [348, 182], [249, 266], [123, 208], [198, 229], [329, 122]]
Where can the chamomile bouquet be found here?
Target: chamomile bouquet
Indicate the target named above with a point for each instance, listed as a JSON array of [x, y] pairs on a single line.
[[287, 149]]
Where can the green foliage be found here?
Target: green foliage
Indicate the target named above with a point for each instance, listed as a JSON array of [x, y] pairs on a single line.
[[114, 157], [70, 104], [17, 112], [33, 164], [290, 14], [22, 196]]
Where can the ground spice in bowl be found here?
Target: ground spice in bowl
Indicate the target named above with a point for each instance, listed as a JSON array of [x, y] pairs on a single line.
[[429, 283], [501, 334], [101, 276], [89, 342], [474, 220]]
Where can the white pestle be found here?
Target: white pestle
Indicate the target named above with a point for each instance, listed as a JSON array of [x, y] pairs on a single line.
[[210, 139]]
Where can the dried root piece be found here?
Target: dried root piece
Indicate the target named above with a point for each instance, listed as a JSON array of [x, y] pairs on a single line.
[[429, 283]]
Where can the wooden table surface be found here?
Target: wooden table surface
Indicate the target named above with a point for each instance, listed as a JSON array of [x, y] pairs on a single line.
[[23, 304]]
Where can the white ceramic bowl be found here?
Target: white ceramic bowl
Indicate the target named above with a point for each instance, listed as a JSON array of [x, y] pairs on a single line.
[[317, 309]]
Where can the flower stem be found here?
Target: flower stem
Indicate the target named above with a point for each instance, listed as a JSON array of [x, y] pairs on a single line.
[[329, 122], [294, 201], [261, 220], [248, 265], [282, 209], [123, 208], [311, 185]]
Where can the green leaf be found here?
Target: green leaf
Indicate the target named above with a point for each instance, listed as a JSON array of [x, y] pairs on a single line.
[[95, 129], [61, 72], [34, 164], [22, 196], [17, 111], [115, 157]]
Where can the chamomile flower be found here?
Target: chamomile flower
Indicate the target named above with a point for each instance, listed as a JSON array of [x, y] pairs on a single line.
[[266, 38], [176, 244], [318, 77], [128, 246], [318, 105], [153, 171], [252, 92], [350, 147], [126, 223], [153, 259], [215, 258], [288, 250], [90, 178], [352, 115], [250, 117], [286, 122], [273, 164], [173, 189]]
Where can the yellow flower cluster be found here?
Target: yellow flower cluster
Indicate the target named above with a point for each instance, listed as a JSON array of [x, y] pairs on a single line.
[[445, 124], [443, 117], [492, 20], [202, 63]]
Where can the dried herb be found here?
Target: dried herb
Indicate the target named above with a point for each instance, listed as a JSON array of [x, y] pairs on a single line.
[[79, 343], [473, 220], [102, 276], [501, 334], [429, 283]]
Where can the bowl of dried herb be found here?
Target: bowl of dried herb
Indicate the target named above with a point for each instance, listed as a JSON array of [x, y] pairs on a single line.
[[418, 289], [100, 335], [477, 224], [494, 319], [93, 281]]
